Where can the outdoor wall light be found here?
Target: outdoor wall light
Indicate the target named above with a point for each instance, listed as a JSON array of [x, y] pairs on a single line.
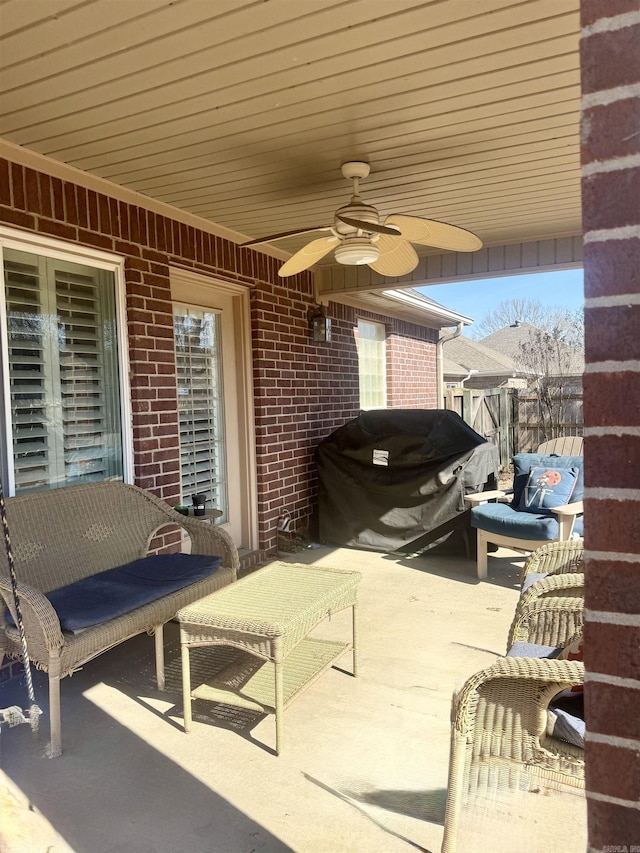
[[319, 324]]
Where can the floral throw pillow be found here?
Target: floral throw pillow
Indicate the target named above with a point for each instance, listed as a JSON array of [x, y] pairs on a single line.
[[548, 488]]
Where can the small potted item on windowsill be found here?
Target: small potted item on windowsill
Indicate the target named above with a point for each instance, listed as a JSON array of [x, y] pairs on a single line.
[[199, 501]]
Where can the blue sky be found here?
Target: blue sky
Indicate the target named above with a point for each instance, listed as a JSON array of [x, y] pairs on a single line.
[[475, 299]]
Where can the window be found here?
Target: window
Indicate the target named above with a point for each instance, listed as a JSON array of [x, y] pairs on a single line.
[[216, 416], [372, 367], [61, 379], [200, 405]]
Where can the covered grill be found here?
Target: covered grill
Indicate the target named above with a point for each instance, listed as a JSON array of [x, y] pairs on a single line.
[[395, 479]]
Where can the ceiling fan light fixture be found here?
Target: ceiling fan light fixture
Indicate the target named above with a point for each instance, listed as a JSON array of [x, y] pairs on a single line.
[[357, 251]]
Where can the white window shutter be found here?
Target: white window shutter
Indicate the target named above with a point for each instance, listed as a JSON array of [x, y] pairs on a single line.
[[30, 380], [200, 405], [90, 435], [63, 372]]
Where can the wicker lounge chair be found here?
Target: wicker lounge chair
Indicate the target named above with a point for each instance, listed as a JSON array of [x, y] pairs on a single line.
[[554, 571], [499, 720], [549, 620], [554, 558]]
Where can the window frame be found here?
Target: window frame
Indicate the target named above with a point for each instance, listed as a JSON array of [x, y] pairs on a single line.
[[37, 244], [207, 292]]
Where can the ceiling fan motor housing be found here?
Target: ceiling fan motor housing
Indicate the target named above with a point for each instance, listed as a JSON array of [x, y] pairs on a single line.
[[355, 210]]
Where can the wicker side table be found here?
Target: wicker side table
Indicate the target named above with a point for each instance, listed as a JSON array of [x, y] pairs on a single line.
[[269, 615]]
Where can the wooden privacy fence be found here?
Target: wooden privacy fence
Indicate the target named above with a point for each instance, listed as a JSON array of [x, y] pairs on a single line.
[[493, 413], [509, 417], [569, 417]]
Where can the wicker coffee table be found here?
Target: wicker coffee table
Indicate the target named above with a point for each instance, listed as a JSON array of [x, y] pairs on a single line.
[[268, 615]]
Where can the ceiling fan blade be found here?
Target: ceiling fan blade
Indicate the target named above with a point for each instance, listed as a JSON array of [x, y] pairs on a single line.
[[397, 257], [368, 226], [430, 232], [284, 234], [308, 255]]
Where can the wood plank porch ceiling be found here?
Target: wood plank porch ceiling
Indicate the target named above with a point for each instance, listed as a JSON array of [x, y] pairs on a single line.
[[241, 112]]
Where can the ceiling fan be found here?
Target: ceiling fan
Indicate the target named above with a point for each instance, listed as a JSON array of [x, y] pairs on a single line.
[[359, 237]]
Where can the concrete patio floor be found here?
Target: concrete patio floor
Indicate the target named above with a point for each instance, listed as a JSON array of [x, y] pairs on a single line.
[[365, 762]]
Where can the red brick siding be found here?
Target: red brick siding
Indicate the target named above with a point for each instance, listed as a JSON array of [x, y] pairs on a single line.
[[592, 10], [411, 367], [303, 390], [608, 126], [611, 216], [613, 268], [610, 57]]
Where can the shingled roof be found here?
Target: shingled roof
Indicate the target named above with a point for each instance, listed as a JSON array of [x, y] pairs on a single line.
[[463, 353], [508, 341]]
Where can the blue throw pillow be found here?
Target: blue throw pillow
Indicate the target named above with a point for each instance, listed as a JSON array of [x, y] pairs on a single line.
[[547, 488], [524, 462]]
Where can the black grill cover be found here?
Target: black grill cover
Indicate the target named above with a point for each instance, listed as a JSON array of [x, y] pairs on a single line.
[[394, 477]]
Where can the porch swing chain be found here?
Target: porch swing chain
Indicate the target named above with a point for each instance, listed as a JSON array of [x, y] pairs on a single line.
[[14, 715]]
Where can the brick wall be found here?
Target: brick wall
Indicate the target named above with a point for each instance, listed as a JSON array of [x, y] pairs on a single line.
[[411, 367], [611, 207], [303, 390]]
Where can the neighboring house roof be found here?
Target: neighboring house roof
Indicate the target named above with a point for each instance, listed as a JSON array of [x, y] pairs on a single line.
[[477, 358], [451, 368], [508, 342]]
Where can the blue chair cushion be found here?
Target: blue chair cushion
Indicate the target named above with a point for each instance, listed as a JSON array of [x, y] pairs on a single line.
[[531, 650], [506, 521], [531, 578], [524, 462], [547, 488]]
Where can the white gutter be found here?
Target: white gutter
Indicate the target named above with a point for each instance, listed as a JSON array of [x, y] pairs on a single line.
[[468, 376], [444, 337]]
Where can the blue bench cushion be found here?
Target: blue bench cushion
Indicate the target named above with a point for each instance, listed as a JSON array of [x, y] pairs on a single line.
[[115, 592], [506, 521]]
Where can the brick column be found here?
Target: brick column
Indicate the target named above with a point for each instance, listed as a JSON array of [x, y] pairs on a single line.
[[610, 55]]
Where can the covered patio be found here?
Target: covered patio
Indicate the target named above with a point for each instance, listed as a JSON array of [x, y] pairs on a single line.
[[162, 136], [365, 761]]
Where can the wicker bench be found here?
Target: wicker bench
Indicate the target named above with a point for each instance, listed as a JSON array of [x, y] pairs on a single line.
[[62, 536]]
